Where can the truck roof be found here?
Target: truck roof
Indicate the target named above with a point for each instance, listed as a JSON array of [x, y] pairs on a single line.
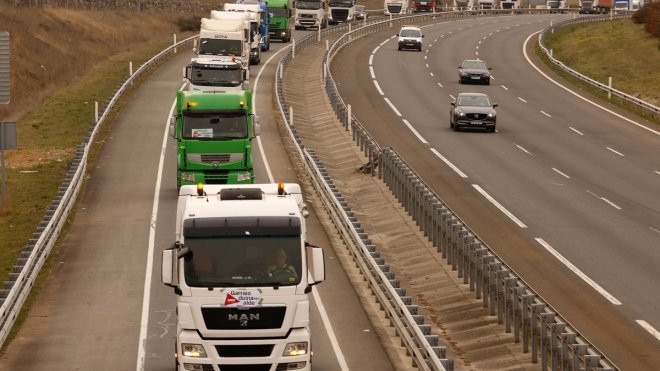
[[279, 3], [195, 100], [228, 25], [228, 15], [242, 7]]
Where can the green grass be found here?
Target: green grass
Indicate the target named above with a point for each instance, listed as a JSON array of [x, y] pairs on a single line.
[[620, 49]]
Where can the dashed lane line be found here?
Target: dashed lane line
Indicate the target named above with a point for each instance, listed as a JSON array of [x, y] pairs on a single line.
[[615, 151], [561, 173], [448, 163], [499, 206], [649, 328], [417, 134], [575, 130], [393, 108]]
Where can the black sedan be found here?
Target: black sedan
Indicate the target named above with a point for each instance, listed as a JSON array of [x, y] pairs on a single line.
[[474, 70], [473, 110]]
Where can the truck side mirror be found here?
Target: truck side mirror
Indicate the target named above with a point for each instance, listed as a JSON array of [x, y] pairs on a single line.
[[172, 126], [246, 85], [318, 264], [495, 105], [453, 104], [169, 268]]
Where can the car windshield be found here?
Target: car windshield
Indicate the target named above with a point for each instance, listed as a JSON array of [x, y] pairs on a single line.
[[309, 5], [218, 126], [220, 47], [410, 33], [216, 75], [476, 65], [474, 101], [243, 261]]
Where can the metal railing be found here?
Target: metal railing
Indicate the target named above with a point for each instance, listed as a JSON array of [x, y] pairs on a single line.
[[34, 254], [542, 331], [652, 109]]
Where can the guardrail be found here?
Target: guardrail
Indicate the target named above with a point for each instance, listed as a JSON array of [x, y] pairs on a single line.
[[34, 254], [517, 306], [652, 109]]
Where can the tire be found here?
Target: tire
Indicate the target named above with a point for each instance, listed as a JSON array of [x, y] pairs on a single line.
[[456, 128], [399, 48], [451, 124], [492, 130], [488, 82]]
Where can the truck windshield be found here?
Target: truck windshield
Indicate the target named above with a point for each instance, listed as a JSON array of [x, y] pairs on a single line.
[[214, 76], [220, 47], [243, 261], [214, 125], [346, 3], [279, 12], [314, 5]]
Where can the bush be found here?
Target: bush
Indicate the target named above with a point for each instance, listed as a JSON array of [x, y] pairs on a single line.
[[649, 15], [188, 23]]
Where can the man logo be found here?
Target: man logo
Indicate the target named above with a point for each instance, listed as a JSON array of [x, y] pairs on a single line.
[[243, 318]]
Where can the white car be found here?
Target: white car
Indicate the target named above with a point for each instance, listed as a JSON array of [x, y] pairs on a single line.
[[410, 37]]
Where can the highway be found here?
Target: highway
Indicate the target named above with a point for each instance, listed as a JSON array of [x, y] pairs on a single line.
[[103, 306], [565, 192]]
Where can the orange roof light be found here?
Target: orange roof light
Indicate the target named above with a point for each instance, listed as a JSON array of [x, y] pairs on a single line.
[[200, 189], [280, 188]]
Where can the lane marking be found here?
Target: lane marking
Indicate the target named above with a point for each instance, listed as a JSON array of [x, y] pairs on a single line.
[[371, 59], [654, 230], [604, 199], [427, 66], [427, 50], [376, 49], [562, 174], [575, 130], [578, 95], [479, 42], [477, 46], [523, 149], [435, 40], [649, 328], [499, 206], [393, 108], [371, 71], [545, 114], [452, 97], [443, 87], [504, 87], [476, 53], [657, 172], [146, 295], [578, 272], [492, 77], [615, 151], [419, 136], [524, 101], [425, 57], [384, 42], [431, 73], [448, 163], [380, 91]]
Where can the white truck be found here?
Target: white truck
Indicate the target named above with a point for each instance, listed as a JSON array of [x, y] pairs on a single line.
[[251, 22], [241, 270], [485, 4], [310, 13], [228, 38], [463, 5], [340, 11], [509, 4], [216, 74], [394, 7], [556, 6]]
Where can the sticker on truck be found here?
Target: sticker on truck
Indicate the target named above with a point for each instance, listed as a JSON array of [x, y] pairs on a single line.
[[242, 298]]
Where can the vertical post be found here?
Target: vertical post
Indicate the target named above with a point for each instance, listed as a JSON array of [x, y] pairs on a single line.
[[293, 48], [96, 111], [318, 38], [349, 27], [2, 160], [291, 116], [174, 38], [130, 68], [551, 53], [325, 73], [609, 84], [281, 70], [349, 117], [194, 44], [327, 44]]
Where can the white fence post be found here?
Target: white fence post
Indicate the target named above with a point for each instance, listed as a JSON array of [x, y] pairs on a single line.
[[609, 92], [130, 68], [174, 37], [293, 48], [96, 111], [290, 116]]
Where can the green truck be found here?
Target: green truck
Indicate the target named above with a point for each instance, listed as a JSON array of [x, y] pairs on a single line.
[[279, 27], [214, 133]]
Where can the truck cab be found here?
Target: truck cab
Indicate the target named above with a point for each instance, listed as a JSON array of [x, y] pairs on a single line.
[[226, 38], [310, 13], [463, 5], [214, 133], [280, 12], [241, 269], [424, 6], [217, 74], [394, 7], [509, 4], [340, 11], [251, 21]]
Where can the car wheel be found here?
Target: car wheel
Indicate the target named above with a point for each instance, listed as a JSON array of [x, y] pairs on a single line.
[[492, 130], [456, 128], [399, 48], [488, 82]]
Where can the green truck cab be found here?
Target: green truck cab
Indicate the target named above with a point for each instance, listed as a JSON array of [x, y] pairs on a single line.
[[214, 133], [280, 12]]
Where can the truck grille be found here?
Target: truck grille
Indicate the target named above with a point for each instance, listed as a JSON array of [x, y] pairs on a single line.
[[394, 9], [245, 350], [339, 14], [244, 367], [220, 158], [259, 318]]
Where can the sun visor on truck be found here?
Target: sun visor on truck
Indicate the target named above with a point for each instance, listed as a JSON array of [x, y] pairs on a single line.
[[242, 226]]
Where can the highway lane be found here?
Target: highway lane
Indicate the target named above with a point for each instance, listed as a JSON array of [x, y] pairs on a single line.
[[88, 314], [522, 165]]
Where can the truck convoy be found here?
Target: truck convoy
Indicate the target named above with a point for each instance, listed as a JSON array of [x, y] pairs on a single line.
[[251, 23], [279, 28], [509, 4], [485, 4], [214, 134], [595, 6], [556, 6], [229, 38], [216, 74], [394, 7], [261, 8], [423, 6], [310, 13], [463, 5], [341, 11], [241, 269]]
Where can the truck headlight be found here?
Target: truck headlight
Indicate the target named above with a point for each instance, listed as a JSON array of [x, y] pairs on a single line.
[[188, 177], [295, 349], [193, 350], [243, 177]]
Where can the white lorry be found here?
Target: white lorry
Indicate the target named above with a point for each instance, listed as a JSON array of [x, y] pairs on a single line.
[[509, 4], [228, 38], [394, 7], [485, 4], [463, 5], [340, 11], [241, 269], [216, 74], [251, 22], [310, 13]]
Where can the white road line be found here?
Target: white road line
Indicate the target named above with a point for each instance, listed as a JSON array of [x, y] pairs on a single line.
[[485, 37], [604, 199], [371, 59], [393, 108], [523, 149], [452, 166], [419, 136], [562, 174], [427, 66], [380, 91], [492, 77], [499, 206], [522, 100], [427, 50], [490, 34], [579, 273], [575, 130], [146, 294], [504, 87], [439, 84], [545, 114], [452, 97], [476, 53], [430, 46], [479, 42], [654, 230], [384, 42], [375, 50], [393, 36], [431, 73], [649, 328], [655, 171], [442, 35], [425, 57], [615, 151], [578, 95], [477, 46], [435, 40], [371, 71]]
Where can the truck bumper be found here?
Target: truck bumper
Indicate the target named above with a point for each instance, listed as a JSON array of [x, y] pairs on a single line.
[[283, 35], [259, 362], [188, 177]]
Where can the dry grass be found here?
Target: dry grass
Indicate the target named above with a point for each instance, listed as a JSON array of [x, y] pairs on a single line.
[[620, 49]]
